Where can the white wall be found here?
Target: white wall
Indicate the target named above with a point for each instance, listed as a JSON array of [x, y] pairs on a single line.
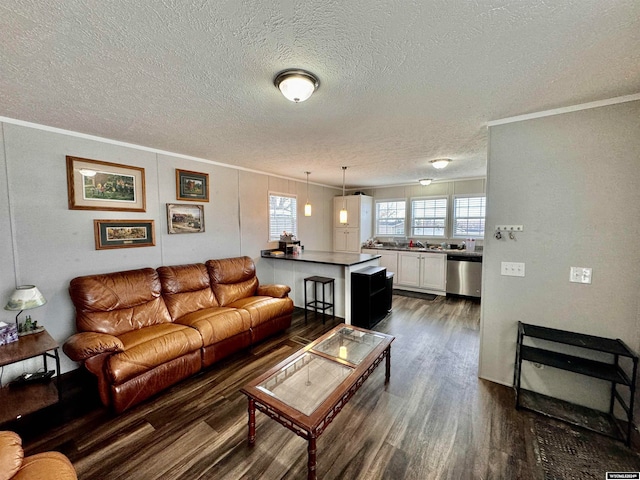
[[50, 244], [573, 181]]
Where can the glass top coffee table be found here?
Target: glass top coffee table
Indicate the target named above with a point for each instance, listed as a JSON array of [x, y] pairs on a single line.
[[306, 391]]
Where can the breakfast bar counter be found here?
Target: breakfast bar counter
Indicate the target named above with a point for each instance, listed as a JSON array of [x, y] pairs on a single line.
[[293, 269]]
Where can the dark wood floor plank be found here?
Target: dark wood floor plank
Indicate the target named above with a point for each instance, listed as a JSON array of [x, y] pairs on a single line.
[[434, 420]]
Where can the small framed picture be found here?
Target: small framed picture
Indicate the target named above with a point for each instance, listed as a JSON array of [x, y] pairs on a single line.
[[192, 186], [123, 233], [185, 218], [96, 185]]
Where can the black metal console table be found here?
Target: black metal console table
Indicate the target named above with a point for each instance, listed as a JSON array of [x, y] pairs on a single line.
[[601, 422]]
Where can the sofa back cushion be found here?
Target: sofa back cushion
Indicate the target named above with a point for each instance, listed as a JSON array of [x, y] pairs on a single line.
[[119, 302], [186, 289], [232, 279]]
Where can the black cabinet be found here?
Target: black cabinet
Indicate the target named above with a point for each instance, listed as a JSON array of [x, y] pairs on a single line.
[[620, 371], [369, 296]]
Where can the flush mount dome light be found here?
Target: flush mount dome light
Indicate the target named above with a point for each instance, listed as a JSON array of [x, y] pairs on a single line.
[[440, 163], [425, 181], [296, 85]]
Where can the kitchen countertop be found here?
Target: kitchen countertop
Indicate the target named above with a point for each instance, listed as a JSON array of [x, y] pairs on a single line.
[[463, 253], [329, 258]]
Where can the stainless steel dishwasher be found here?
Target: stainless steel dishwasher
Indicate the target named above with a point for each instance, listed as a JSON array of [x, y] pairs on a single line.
[[464, 275]]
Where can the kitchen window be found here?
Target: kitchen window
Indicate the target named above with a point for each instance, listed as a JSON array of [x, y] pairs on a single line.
[[283, 215], [390, 217], [468, 216], [428, 217]]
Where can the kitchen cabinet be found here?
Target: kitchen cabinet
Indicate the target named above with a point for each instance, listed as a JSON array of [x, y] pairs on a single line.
[[422, 270], [388, 259], [348, 237], [346, 240]]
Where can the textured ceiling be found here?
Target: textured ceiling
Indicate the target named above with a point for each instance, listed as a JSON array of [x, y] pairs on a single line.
[[401, 81]]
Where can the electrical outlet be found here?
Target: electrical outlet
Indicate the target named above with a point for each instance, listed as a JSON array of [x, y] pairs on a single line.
[[580, 275], [512, 269]]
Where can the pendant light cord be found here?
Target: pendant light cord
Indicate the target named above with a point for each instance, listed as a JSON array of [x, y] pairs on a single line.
[[344, 202]]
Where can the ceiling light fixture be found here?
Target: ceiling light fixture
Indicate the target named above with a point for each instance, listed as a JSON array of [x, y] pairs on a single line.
[[440, 163], [343, 212], [296, 85], [307, 206], [425, 181]]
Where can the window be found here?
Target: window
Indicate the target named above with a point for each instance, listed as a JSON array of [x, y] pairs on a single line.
[[390, 217], [429, 217], [283, 215], [468, 216]]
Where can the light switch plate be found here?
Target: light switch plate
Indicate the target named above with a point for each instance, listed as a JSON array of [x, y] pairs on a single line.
[[580, 275], [512, 269]]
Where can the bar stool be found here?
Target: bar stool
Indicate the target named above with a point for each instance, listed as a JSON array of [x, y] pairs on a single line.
[[317, 304]]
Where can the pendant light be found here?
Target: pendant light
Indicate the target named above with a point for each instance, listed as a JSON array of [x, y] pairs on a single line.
[[307, 206], [343, 212]]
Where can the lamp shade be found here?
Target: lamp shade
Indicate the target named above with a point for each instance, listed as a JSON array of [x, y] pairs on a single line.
[[25, 297], [425, 181], [296, 85]]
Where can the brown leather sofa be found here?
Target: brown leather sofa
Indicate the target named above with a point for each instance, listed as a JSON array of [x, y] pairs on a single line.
[[41, 466], [141, 331]]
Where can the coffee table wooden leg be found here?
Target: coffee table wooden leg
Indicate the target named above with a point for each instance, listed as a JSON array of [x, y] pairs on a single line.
[[252, 422], [387, 374], [311, 448]]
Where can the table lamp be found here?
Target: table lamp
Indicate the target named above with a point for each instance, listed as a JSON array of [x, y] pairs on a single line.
[[25, 297]]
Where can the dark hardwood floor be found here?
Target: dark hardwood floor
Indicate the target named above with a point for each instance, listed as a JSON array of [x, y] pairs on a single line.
[[434, 420]]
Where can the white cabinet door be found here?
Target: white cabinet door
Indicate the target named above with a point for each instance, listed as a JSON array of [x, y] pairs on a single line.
[[389, 260], [433, 271], [346, 240], [409, 269], [352, 204], [353, 240], [339, 240]]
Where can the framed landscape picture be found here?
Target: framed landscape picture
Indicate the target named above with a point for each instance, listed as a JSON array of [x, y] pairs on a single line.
[[192, 186], [123, 233], [185, 218], [96, 185]]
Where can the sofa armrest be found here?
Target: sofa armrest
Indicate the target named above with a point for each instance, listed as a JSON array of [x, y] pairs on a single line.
[[85, 345], [11, 454], [276, 291], [46, 466]]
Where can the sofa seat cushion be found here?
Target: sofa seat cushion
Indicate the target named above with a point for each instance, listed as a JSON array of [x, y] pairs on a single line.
[[263, 309], [148, 347], [218, 323]]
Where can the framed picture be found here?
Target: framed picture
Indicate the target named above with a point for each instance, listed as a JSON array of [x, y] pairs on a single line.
[[185, 218], [123, 233], [96, 185], [192, 186]]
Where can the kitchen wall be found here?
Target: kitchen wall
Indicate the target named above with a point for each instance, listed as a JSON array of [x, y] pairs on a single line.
[[441, 188], [573, 181], [46, 244]]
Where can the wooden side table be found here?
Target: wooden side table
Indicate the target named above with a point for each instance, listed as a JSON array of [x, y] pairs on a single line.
[[21, 400]]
